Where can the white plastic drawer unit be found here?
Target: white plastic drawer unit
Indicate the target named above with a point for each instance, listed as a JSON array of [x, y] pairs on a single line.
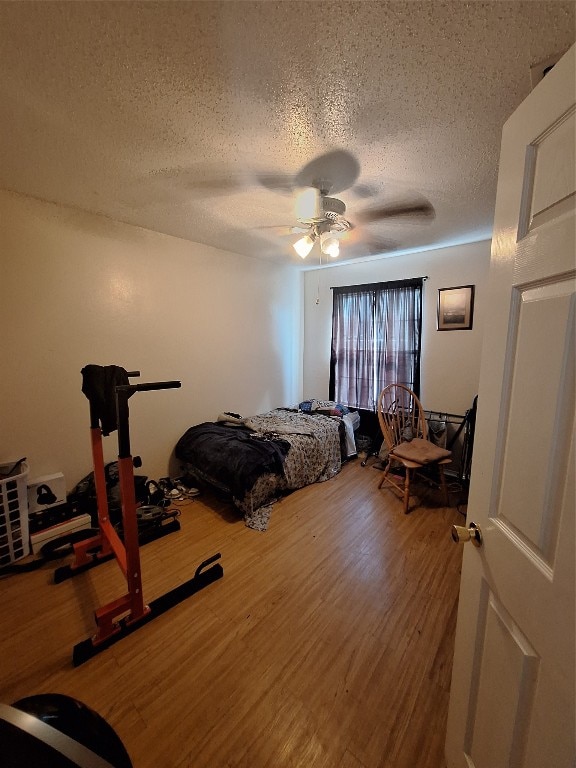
[[14, 540]]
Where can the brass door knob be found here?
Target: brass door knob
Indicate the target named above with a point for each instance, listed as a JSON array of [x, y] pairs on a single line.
[[472, 533]]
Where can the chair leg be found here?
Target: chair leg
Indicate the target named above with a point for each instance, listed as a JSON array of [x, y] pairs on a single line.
[[406, 491], [443, 485], [385, 475]]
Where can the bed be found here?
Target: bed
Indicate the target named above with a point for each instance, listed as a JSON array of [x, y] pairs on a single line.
[[258, 459]]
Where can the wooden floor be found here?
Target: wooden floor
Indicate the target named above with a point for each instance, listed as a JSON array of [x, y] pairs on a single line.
[[327, 644]]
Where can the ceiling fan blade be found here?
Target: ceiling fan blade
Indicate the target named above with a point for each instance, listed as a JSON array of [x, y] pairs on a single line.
[[223, 186], [202, 179], [351, 236], [381, 245], [284, 230], [364, 191], [362, 243], [332, 172], [276, 182], [420, 210]]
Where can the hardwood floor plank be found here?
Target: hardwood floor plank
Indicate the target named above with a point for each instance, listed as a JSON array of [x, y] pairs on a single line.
[[327, 644]]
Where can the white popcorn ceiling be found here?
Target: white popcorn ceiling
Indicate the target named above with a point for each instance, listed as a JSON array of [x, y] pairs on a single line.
[[168, 115]]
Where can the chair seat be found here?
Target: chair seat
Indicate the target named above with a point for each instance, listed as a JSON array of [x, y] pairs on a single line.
[[420, 451]]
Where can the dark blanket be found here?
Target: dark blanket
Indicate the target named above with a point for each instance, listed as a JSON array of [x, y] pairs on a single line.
[[99, 384], [232, 455]]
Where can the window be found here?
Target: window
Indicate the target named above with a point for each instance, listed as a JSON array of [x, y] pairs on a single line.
[[376, 331]]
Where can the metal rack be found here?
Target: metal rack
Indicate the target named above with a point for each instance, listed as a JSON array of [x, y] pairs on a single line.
[[129, 612]]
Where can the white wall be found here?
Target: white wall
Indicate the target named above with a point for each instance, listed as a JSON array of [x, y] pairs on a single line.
[[450, 359], [78, 289]]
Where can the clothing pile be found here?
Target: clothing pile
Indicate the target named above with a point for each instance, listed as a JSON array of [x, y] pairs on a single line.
[[325, 407]]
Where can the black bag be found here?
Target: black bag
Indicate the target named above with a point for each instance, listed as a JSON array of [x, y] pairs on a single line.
[[83, 497]]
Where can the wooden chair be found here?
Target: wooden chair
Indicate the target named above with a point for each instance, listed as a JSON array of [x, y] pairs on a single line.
[[405, 431]]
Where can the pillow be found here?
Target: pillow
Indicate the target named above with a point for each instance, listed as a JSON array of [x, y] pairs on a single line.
[[421, 451]]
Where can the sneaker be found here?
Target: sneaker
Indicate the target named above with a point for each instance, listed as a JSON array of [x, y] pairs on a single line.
[[186, 491]]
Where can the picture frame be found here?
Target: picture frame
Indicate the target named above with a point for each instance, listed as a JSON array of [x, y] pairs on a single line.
[[456, 308]]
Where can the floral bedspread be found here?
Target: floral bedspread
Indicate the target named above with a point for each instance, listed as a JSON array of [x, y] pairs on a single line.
[[314, 453], [314, 456]]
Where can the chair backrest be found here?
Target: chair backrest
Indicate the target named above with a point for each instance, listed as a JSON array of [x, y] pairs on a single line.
[[400, 415]]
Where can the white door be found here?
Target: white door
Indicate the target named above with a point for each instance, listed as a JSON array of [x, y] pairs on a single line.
[[513, 682]]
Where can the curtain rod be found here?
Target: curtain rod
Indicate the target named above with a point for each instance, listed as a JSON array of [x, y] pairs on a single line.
[[371, 285]]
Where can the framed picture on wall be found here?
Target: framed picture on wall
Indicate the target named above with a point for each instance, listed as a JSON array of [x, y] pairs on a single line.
[[455, 308]]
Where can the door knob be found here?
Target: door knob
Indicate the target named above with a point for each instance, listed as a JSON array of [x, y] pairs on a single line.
[[472, 533]]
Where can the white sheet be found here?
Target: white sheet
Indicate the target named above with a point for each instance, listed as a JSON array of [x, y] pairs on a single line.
[[351, 423]]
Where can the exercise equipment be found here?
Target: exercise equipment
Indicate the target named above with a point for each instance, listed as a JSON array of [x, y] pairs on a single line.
[[56, 731], [128, 612]]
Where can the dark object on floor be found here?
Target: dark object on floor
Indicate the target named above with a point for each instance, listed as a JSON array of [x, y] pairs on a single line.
[[150, 527], [56, 731], [82, 499], [46, 518]]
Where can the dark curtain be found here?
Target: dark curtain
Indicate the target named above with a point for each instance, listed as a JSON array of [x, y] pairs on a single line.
[[376, 332]]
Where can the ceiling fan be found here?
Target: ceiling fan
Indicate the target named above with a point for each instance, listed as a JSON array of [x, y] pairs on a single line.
[[322, 218]]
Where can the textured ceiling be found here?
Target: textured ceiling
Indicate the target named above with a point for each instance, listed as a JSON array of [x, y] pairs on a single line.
[[189, 118]]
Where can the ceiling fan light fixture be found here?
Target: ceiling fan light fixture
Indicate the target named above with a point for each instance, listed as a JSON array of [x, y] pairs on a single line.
[[308, 204], [329, 244], [303, 246]]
